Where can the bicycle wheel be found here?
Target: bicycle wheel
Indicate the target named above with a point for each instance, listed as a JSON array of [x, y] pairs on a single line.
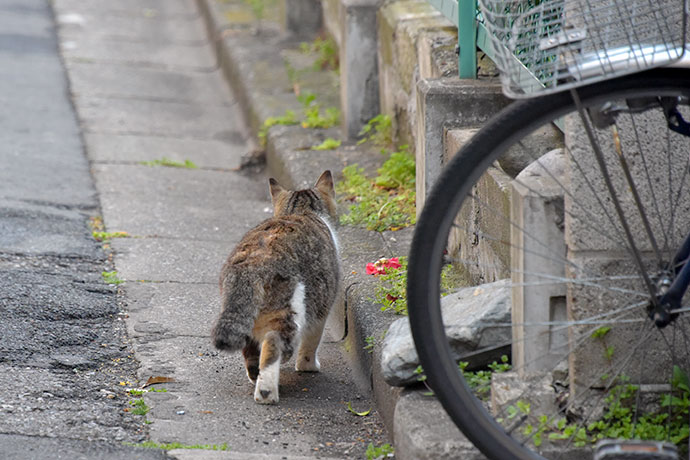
[[583, 246]]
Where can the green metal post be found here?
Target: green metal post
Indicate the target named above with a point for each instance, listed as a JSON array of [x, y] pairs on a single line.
[[467, 38]]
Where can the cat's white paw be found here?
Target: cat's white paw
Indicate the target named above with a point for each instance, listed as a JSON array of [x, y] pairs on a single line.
[[307, 364], [265, 394], [266, 391]]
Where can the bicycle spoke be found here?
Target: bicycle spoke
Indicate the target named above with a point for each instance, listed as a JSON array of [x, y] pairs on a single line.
[[609, 185], [636, 195]]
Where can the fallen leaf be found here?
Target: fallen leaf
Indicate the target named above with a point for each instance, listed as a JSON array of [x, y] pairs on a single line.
[[158, 379], [361, 414]]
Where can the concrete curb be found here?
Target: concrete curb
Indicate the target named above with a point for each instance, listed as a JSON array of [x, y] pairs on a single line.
[[292, 163], [295, 166]]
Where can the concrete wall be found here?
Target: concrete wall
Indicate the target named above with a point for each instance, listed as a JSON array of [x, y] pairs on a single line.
[[595, 237]]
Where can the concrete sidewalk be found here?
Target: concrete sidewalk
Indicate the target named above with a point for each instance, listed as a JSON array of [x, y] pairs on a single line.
[[146, 85]]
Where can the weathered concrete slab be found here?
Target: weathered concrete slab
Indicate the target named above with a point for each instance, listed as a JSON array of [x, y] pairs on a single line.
[[423, 430], [117, 81], [143, 8], [446, 103], [150, 54], [118, 148], [179, 203], [311, 417], [162, 309], [78, 23], [174, 119], [163, 260]]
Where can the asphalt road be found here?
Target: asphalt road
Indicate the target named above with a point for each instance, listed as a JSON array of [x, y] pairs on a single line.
[[143, 85], [63, 341]]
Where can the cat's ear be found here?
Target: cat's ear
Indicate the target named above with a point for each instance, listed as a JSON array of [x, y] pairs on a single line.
[[325, 184], [275, 188]]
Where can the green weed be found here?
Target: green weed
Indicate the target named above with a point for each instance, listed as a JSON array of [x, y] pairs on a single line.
[[326, 52], [371, 343], [385, 202], [105, 236], [328, 144], [480, 381], [188, 164], [289, 118], [313, 118], [378, 130], [379, 452], [139, 407], [111, 277]]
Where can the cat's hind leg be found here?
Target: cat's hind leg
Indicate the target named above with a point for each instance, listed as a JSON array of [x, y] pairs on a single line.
[[266, 391], [307, 359], [251, 360]]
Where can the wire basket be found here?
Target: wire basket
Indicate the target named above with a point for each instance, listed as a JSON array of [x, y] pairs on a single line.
[[544, 46]]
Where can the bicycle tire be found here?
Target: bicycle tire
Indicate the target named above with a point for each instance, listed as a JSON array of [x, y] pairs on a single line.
[[430, 241]]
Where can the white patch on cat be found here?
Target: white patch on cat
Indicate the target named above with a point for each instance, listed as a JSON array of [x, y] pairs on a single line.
[[267, 383], [334, 236], [299, 308]]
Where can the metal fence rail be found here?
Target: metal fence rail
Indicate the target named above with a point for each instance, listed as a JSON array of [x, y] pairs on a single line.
[[471, 33]]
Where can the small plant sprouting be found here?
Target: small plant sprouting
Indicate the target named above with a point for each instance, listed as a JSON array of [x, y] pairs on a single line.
[[139, 407], [105, 236], [187, 164], [371, 343], [480, 381], [378, 130], [328, 144], [385, 202], [111, 277], [326, 53], [379, 452], [289, 118], [312, 113], [600, 334]]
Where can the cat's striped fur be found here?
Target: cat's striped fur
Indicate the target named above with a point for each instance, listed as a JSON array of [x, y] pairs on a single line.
[[279, 284]]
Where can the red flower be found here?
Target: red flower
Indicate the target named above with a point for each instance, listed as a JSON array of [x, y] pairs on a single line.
[[379, 267]]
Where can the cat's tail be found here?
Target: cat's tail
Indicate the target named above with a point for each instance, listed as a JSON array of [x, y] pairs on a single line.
[[241, 296]]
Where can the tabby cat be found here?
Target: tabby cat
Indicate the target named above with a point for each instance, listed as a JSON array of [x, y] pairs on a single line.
[[279, 284]]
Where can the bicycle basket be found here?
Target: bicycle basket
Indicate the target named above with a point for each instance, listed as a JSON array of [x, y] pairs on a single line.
[[544, 46]]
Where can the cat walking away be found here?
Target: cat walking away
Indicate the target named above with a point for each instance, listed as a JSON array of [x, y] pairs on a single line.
[[279, 284]]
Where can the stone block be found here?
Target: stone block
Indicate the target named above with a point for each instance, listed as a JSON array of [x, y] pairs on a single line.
[[444, 104], [400, 26], [629, 347], [359, 82], [423, 431], [467, 315], [589, 227], [477, 241], [532, 147], [597, 245], [538, 254], [436, 55]]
